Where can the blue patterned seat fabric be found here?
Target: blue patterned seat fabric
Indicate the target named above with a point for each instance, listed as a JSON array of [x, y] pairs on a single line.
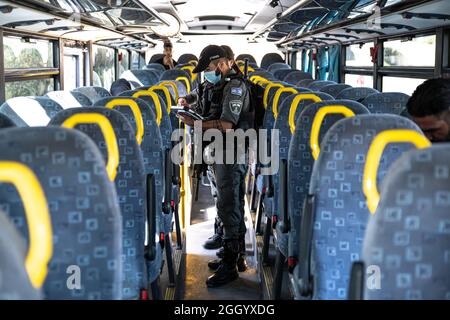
[[282, 147], [83, 205], [408, 238], [340, 212], [6, 122], [386, 102], [155, 66], [278, 66], [130, 186], [30, 111], [269, 59], [142, 77], [174, 74], [282, 73], [317, 85], [304, 83], [335, 89], [263, 73], [186, 57], [67, 99], [357, 94], [151, 147], [93, 93], [296, 76], [301, 162], [15, 283]]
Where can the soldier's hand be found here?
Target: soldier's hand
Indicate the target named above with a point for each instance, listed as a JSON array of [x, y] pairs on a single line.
[[183, 102], [186, 120]]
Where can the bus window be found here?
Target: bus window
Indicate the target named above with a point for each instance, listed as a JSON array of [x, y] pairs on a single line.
[[124, 61], [28, 88], [418, 52], [137, 60], [359, 55], [21, 53], [357, 80], [104, 67], [299, 60], [397, 84]]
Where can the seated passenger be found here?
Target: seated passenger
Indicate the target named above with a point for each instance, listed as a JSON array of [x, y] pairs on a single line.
[[167, 61], [120, 86], [429, 107]]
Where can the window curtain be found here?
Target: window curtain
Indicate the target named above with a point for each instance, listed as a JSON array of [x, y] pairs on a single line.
[[334, 58], [323, 63]]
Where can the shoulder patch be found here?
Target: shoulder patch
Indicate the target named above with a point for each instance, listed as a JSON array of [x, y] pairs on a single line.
[[237, 91], [236, 107]]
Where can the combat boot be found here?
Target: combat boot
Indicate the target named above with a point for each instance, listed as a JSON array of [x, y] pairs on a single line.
[[227, 271], [214, 242], [241, 262]]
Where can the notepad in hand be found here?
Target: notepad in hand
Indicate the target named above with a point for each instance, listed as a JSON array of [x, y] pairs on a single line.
[[191, 114]]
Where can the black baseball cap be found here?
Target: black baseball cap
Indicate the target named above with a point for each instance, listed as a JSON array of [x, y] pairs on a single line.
[[210, 53]]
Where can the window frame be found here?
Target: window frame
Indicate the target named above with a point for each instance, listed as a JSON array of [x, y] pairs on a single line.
[[15, 75]]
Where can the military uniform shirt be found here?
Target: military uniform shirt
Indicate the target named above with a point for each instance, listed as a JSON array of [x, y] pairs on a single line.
[[235, 101]]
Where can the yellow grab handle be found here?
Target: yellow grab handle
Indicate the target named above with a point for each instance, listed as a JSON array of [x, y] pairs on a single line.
[[166, 93], [256, 78], [37, 215], [194, 62], [174, 87], [266, 92], [190, 69], [318, 119], [242, 68], [156, 101], [136, 113], [294, 105], [108, 133], [186, 81], [374, 156], [277, 98]]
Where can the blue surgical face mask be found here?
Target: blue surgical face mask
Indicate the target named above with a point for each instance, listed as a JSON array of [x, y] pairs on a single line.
[[212, 77]]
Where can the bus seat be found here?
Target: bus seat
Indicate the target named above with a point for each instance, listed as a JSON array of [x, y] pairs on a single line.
[[386, 102], [67, 99], [87, 231], [317, 85], [251, 59], [413, 205], [357, 94], [335, 89], [93, 93], [143, 77], [156, 57], [129, 181], [294, 77], [269, 59], [187, 58], [282, 73], [262, 73], [30, 111], [336, 213], [296, 125], [175, 74], [15, 284], [278, 66], [156, 67], [305, 82], [6, 122]]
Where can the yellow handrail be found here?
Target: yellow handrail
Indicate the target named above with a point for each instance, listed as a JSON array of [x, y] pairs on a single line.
[[190, 69], [136, 113], [374, 156], [174, 87], [266, 92], [276, 99], [186, 81], [166, 93], [38, 218], [317, 123], [108, 133], [294, 105], [156, 101]]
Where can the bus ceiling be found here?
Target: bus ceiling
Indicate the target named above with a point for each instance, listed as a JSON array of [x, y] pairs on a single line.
[[291, 24]]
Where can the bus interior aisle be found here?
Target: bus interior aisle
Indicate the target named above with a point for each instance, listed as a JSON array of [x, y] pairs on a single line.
[[247, 287]]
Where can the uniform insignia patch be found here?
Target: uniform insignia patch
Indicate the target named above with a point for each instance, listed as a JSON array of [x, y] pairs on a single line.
[[236, 107], [236, 91]]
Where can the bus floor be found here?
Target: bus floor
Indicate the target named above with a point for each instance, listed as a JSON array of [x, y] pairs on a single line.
[[247, 287]]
